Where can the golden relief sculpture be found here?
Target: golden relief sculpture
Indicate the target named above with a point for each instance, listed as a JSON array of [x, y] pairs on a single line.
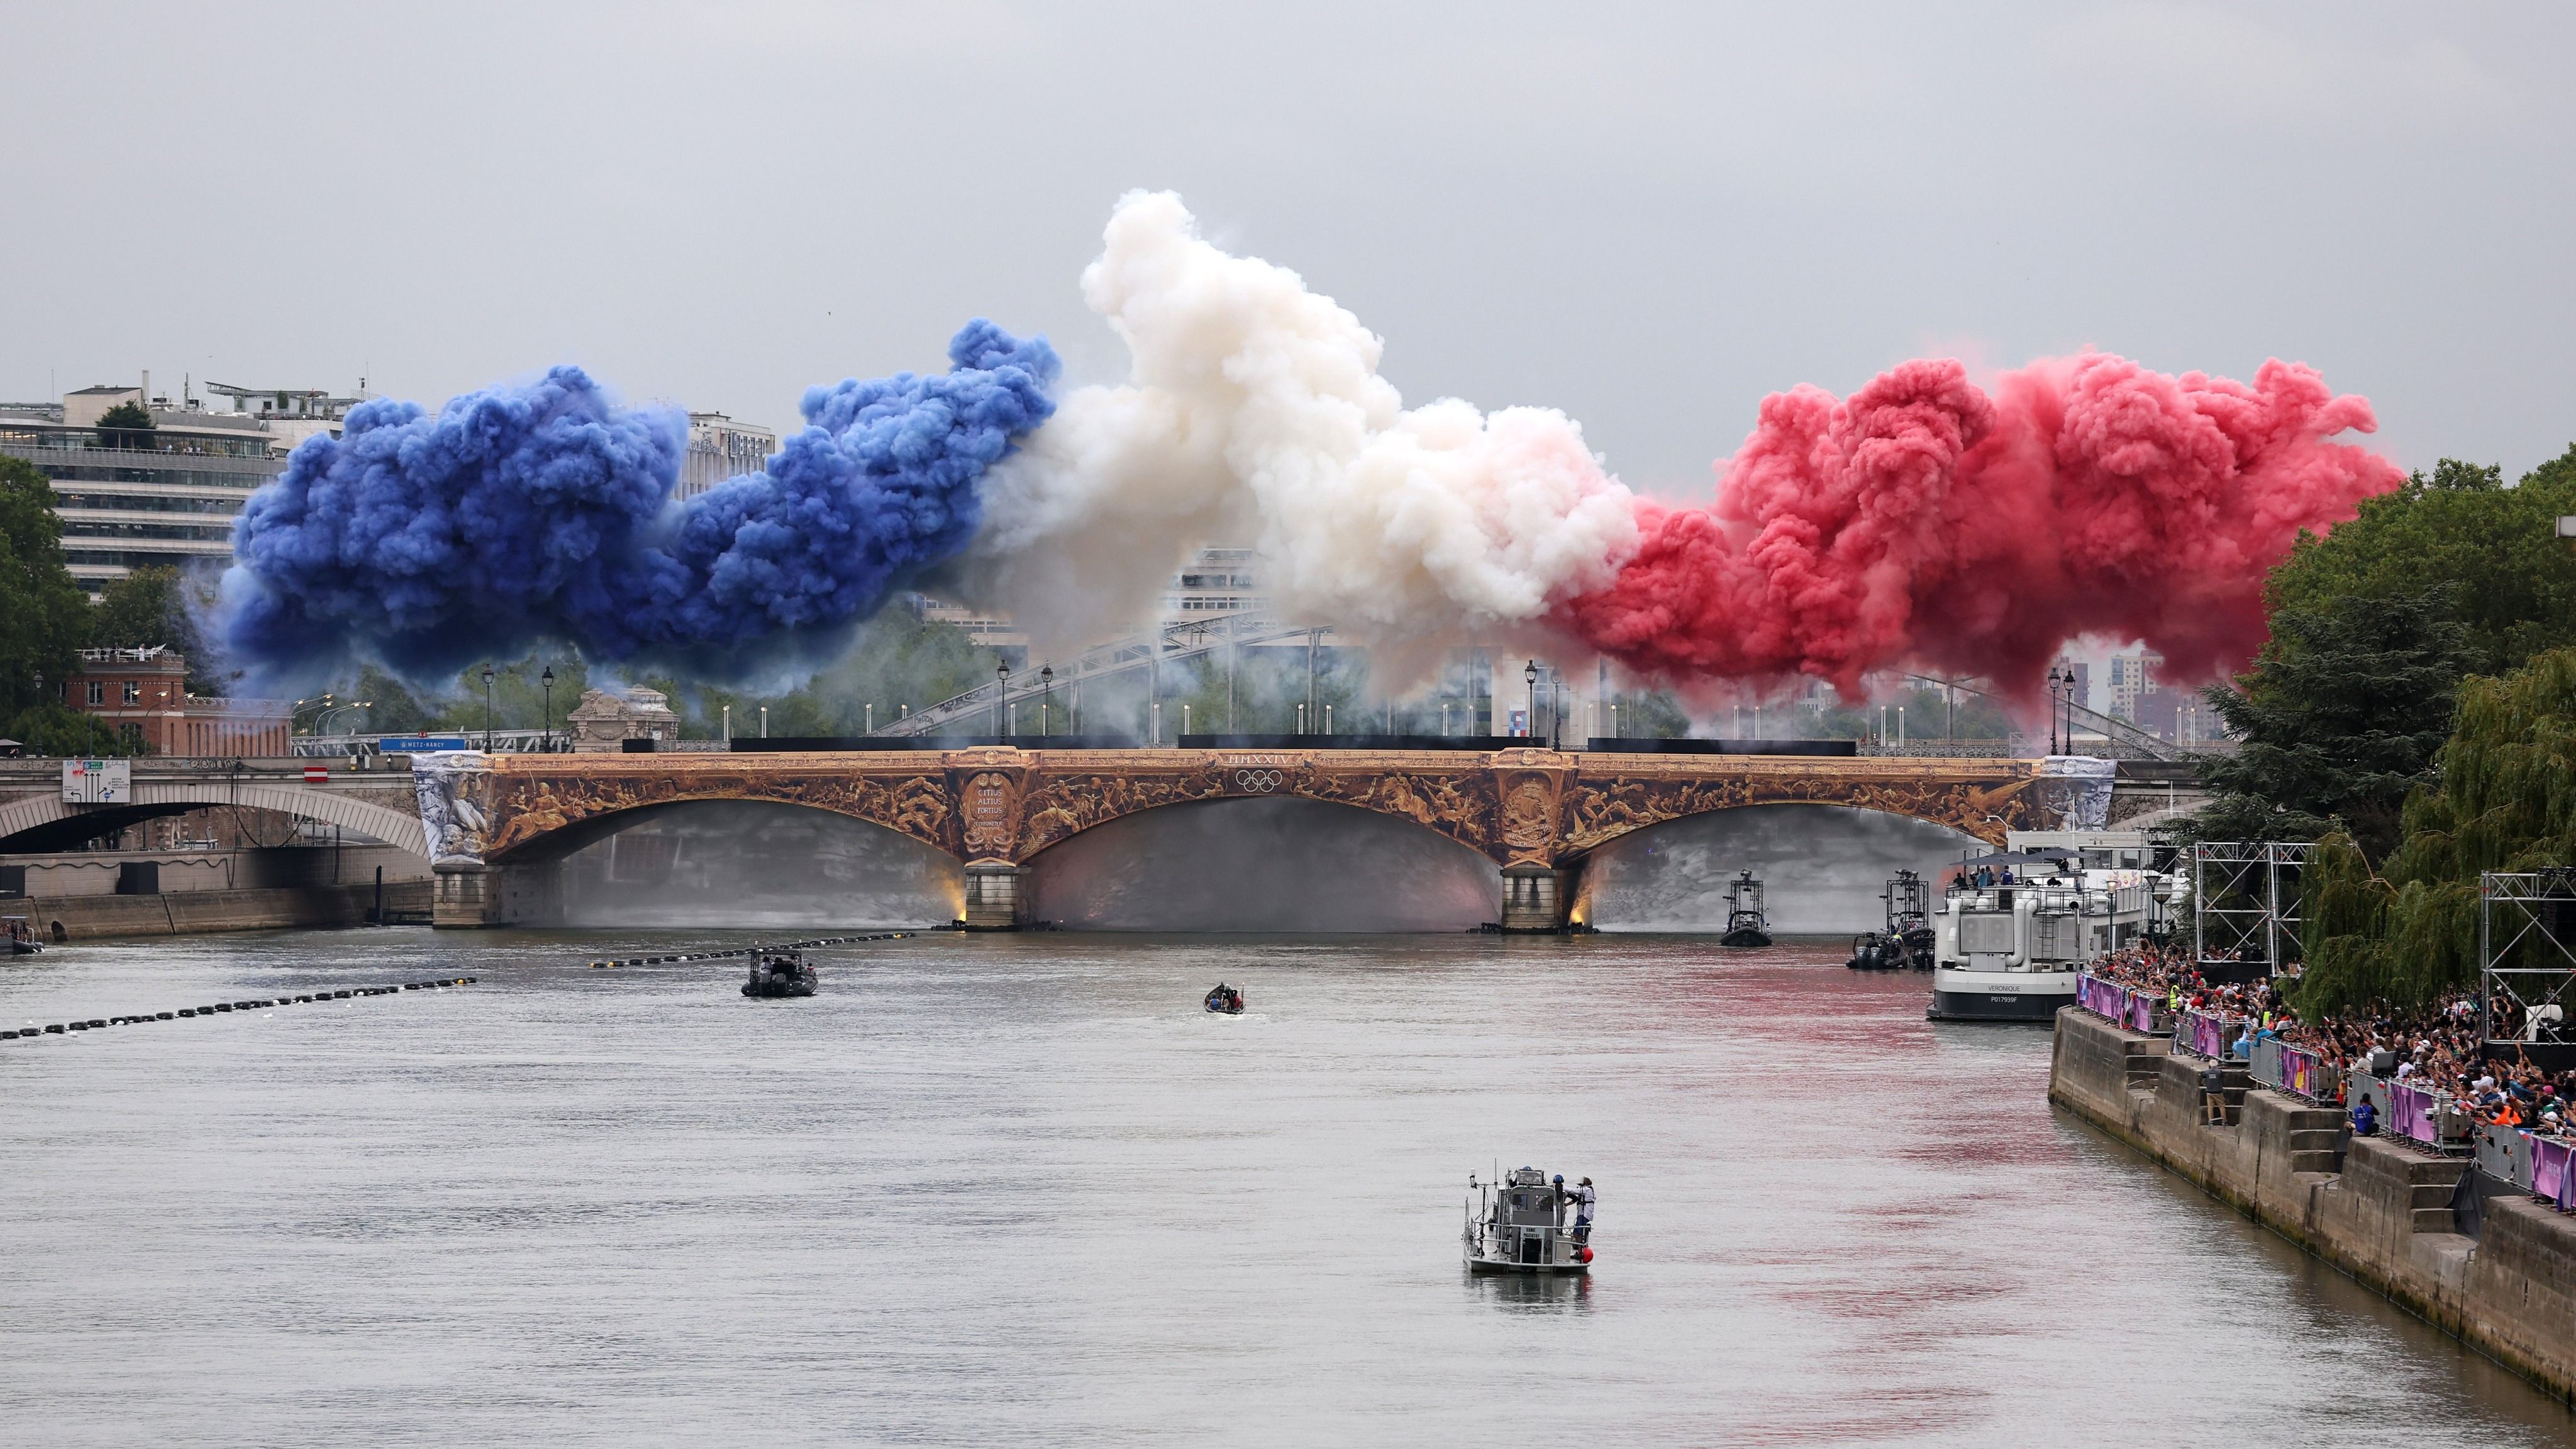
[[1064, 805], [1601, 809], [1515, 806], [1459, 805], [536, 796]]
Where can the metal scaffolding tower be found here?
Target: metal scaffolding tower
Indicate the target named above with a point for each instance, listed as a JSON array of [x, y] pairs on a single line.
[[2245, 902], [2527, 958]]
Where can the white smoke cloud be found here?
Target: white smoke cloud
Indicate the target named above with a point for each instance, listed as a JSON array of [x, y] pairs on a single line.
[[1254, 414]]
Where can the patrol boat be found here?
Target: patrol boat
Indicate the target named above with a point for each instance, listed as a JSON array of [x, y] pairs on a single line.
[[1519, 1225], [780, 973], [1907, 940], [1746, 923], [2015, 928]]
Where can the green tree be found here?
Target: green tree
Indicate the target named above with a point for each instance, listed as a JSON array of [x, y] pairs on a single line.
[[894, 661], [2506, 802], [152, 606], [126, 425], [2512, 582], [43, 613], [2339, 719]]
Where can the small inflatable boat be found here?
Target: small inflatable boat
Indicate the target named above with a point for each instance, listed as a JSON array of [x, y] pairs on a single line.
[[1225, 1000]]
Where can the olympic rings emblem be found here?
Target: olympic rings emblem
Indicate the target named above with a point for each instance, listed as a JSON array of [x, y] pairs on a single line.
[[1258, 782]]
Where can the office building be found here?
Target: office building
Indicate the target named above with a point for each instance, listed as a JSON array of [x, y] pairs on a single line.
[[129, 500], [1214, 581], [720, 448], [2132, 675]]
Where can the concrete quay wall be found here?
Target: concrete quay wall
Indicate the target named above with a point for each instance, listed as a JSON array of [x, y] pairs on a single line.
[[187, 913], [2374, 1207]]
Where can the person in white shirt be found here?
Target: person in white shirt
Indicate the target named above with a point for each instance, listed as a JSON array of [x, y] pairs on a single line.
[[1583, 1199]]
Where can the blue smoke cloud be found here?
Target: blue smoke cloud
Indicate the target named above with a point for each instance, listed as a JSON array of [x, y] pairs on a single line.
[[545, 512]]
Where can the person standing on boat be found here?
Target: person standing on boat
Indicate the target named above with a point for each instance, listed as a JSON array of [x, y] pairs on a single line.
[[1583, 1198]]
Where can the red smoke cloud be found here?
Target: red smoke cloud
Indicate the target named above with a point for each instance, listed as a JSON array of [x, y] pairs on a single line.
[[1923, 521]]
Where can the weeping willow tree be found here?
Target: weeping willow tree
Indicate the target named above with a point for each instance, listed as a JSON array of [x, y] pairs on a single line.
[[2506, 801]]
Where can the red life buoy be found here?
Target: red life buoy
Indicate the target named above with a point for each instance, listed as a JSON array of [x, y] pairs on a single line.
[[1584, 1253]]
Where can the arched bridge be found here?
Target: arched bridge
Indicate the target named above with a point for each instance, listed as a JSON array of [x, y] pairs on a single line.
[[381, 803], [1535, 812]]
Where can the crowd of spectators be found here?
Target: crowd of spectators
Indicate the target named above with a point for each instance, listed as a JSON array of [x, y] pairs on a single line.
[[2439, 1047]]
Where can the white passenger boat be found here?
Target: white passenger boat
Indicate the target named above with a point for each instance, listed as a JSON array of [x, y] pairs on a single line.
[[2015, 928], [1521, 1225]]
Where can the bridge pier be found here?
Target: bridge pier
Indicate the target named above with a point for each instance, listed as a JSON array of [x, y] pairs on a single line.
[[472, 896], [1536, 897], [996, 898], [464, 897]]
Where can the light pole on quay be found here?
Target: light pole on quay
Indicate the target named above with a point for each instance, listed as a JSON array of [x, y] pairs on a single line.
[[1046, 693], [2054, 679], [1002, 700], [487, 709], [548, 680], [1529, 676]]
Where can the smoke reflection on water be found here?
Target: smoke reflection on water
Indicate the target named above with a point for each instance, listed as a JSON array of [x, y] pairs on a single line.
[[745, 863], [1265, 864], [1822, 867]]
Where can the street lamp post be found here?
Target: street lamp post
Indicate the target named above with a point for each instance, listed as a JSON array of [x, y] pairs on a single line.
[[1529, 676], [1046, 695], [548, 680], [2053, 678], [487, 709], [1002, 700]]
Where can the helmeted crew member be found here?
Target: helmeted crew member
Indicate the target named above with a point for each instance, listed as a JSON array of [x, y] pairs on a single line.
[[1583, 1199]]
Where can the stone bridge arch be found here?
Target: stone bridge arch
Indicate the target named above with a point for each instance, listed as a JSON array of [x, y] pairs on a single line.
[[42, 821]]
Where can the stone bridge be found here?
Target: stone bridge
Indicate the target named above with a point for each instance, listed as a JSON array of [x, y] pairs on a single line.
[[376, 802], [1535, 812]]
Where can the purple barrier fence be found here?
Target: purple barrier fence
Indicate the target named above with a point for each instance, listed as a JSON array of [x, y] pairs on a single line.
[[2550, 1177], [2306, 1073], [2410, 1113], [2202, 1034], [2101, 998], [2142, 1011]]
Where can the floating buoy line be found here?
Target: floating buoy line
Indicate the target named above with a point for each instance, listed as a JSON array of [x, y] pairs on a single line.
[[102, 1023], [747, 950]]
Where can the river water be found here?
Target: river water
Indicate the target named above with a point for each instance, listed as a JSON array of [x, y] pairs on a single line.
[[1022, 1190]]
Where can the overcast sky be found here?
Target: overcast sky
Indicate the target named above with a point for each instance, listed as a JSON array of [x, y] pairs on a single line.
[[1649, 216]]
